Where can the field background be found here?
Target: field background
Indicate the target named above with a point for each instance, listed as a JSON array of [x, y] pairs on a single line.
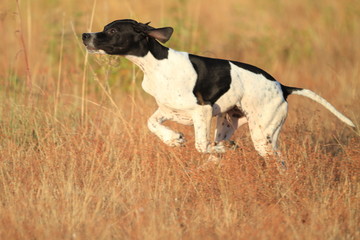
[[77, 160]]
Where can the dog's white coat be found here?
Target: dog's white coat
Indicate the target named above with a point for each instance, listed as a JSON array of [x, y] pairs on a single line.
[[251, 98], [171, 81]]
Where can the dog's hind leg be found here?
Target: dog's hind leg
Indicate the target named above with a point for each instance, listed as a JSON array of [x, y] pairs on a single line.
[[167, 135], [227, 123], [265, 132]]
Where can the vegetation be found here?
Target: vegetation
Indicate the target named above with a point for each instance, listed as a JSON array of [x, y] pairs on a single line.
[[77, 160]]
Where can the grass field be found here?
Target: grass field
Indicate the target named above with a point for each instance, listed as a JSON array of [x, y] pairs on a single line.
[[78, 162]]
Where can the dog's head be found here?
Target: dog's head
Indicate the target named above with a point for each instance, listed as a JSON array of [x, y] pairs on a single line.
[[125, 37]]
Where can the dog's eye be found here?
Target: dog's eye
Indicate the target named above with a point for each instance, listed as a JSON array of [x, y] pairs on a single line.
[[112, 31]]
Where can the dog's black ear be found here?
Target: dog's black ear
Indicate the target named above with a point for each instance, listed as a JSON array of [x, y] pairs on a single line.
[[161, 34]]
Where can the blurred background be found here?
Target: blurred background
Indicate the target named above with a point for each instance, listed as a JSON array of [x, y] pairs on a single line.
[[78, 162], [313, 44]]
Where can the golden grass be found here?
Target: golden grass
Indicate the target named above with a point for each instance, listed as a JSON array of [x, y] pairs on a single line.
[[77, 160]]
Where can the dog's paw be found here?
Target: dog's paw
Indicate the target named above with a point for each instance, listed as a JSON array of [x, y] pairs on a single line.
[[177, 140], [229, 144], [209, 147], [226, 145], [216, 148]]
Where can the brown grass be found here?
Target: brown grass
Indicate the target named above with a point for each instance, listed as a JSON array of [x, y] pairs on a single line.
[[77, 160]]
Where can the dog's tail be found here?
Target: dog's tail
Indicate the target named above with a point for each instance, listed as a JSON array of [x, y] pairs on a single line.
[[313, 96]]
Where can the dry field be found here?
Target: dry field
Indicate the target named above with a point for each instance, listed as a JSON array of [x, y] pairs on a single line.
[[78, 162]]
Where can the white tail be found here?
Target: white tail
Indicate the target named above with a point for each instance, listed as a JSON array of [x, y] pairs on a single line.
[[322, 101]]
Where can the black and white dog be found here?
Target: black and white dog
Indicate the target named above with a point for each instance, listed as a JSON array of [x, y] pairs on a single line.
[[191, 89]]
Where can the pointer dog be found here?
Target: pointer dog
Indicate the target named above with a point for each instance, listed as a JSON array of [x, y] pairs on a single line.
[[191, 89]]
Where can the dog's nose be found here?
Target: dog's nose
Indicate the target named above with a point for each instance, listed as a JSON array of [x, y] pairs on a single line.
[[86, 37]]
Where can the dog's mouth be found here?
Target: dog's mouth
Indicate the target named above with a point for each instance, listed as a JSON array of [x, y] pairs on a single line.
[[95, 51], [91, 49], [88, 39]]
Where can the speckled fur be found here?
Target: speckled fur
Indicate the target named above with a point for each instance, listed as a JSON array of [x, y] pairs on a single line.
[[170, 82], [236, 93]]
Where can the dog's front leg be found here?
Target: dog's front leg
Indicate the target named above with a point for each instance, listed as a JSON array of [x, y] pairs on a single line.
[[167, 135], [202, 120]]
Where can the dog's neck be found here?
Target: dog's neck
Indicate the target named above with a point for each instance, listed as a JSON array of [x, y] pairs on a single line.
[[156, 52]]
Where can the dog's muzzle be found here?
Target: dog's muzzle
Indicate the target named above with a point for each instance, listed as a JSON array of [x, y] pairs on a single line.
[[86, 37], [88, 40]]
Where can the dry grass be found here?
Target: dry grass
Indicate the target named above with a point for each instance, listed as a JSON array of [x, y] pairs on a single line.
[[77, 160]]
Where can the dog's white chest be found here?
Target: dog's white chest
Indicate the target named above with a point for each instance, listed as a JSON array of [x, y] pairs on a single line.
[[170, 81]]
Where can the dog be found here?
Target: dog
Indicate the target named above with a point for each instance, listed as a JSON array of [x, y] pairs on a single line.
[[191, 89]]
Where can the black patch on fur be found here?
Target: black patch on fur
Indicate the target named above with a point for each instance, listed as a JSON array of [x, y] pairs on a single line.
[[128, 37], [289, 90], [254, 69], [213, 78], [157, 50], [268, 138]]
